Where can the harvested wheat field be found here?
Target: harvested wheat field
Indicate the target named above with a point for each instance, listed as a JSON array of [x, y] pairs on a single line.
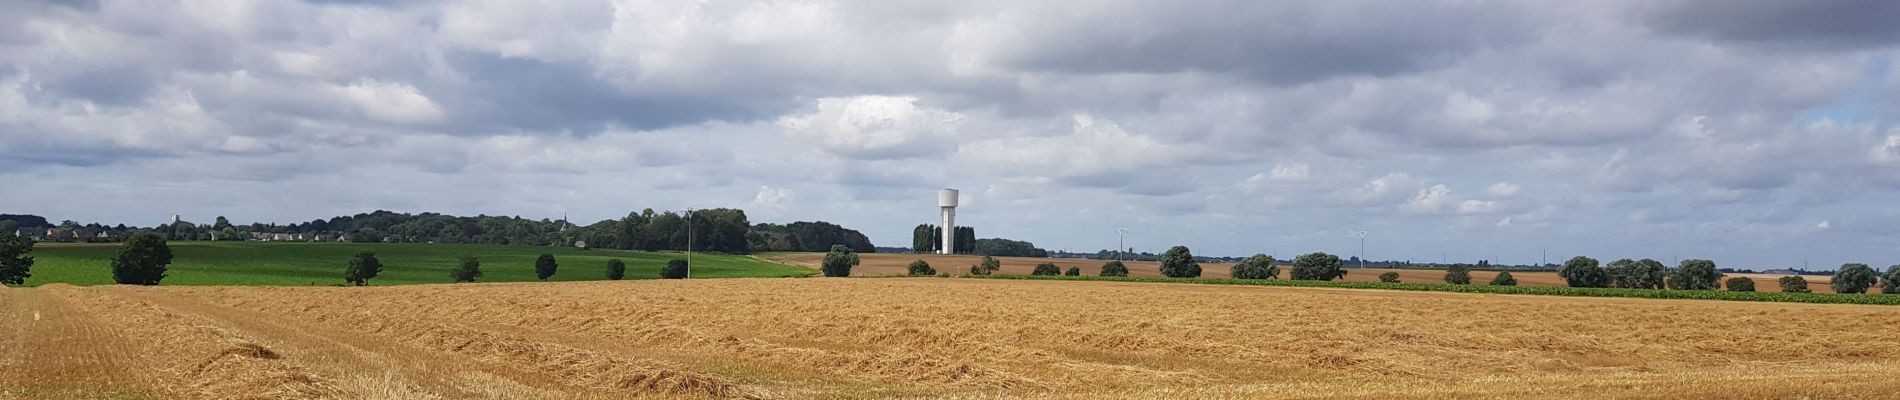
[[922, 337], [884, 264]]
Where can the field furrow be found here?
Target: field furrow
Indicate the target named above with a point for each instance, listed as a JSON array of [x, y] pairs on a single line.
[[66, 352]]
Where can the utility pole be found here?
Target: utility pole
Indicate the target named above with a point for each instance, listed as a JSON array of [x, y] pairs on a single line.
[[1121, 242], [689, 243]]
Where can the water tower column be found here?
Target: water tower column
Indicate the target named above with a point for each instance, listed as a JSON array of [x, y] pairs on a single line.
[[947, 201]]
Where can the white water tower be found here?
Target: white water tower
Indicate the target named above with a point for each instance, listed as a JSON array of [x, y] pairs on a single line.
[[947, 201]]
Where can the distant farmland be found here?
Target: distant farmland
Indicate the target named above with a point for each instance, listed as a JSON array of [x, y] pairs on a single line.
[[883, 264]]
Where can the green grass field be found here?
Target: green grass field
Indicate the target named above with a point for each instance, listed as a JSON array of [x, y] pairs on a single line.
[[301, 264]]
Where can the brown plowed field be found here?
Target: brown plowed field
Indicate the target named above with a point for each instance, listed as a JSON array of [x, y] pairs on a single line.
[[883, 264], [928, 337]]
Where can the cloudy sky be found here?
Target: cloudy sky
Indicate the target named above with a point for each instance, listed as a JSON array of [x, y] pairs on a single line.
[[1755, 133]]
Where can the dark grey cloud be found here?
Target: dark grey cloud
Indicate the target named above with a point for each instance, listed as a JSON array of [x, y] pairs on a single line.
[[1793, 25]]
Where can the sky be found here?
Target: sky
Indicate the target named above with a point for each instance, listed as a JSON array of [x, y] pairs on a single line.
[[1754, 133]]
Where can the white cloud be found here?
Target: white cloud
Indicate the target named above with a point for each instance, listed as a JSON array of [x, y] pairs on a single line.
[[1502, 189], [391, 102], [876, 127]]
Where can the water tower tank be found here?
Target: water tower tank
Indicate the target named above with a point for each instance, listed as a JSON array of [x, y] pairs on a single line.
[[947, 198]]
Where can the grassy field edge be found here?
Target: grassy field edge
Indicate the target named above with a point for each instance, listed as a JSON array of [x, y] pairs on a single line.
[[1813, 298]]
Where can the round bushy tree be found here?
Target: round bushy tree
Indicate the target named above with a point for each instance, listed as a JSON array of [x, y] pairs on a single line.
[[1114, 268], [674, 269], [1582, 271], [988, 266], [921, 268], [1854, 278], [1794, 284], [1890, 281], [362, 267], [1178, 262], [1046, 269], [142, 261], [1504, 278], [839, 261], [468, 270], [1740, 284], [1073, 271], [616, 269], [1458, 274], [15, 265], [1389, 277], [1696, 275], [1318, 266], [1260, 266], [544, 266]]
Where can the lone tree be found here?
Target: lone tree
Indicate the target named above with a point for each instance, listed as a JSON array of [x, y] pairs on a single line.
[[468, 271], [544, 266], [1318, 267], [989, 266], [1389, 277], [1504, 279], [1178, 262], [362, 267], [839, 261], [1854, 278], [1630, 274], [1696, 275], [1115, 268], [1890, 282], [1046, 269], [921, 268], [616, 269], [1582, 271], [1073, 271], [1458, 274], [1740, 284], [1260, 266], [142, 261], [1794, 284], [15, 265], [675, 269]]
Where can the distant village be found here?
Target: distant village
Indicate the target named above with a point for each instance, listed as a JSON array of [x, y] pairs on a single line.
[[72, 232]]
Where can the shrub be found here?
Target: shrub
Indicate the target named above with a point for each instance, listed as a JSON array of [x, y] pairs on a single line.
[[1047, 269], [921, 268], [1582, 271], [15, 265], [1740, 284], [1389, 277], [1458, 274], [1114, 268], [1696, 275], [616, 269], [989, 266], [142, 261], [1854, 278], [1630, 274], [1073, 271], [469, 270], [1504, 279], [1890, 282], [362, 267], [1318, 267], [839, 261], [544, 266], [1260, 266], [1178, 262], [1794, 284], [675, 269]]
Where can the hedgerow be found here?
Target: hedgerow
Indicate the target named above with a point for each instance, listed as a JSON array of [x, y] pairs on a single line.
[[1822, 298]]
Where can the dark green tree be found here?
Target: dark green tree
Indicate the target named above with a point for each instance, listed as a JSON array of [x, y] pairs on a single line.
[[1318, 266], [921, 268], [1890, 281], [1854, 278], [1794, 284], [1073, 271], [674, 269], [1178, 262], [1740, 284], [925, 238], [1260, 266], [839, 261], [1389, 277], [142, 261], [1046, 269], [15, 265], [1114, 268], [1458, 274], [1504, 278], [1631, 274], [468, 270], [1582, 271], [988, 266], [545, 266], [1696, 275], [616, 269], [362, 267]]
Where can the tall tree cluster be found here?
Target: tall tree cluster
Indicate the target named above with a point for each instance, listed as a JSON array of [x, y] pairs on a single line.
[[928, 238]]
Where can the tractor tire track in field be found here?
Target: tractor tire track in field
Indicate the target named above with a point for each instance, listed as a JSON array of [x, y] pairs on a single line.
[[62, 351]]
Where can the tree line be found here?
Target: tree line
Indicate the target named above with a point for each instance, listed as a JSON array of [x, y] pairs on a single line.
[[928, 238]]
